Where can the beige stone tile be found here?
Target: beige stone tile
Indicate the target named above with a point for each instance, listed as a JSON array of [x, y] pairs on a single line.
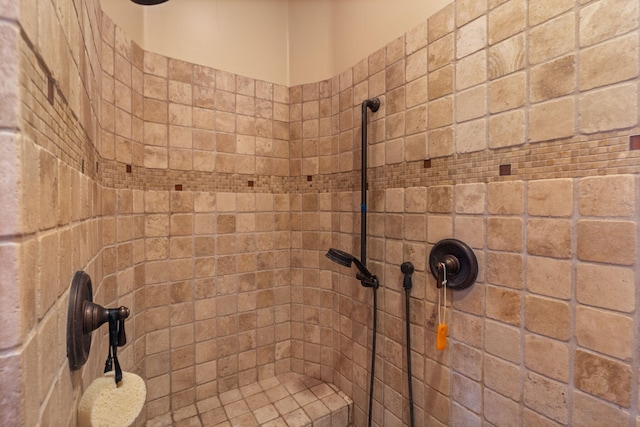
[[547, 397], [440, 113], [471, 37], [607, 196], [507, 129], [610, 62], [499, 410], [440, 82], [506, 57], [550, 277], [502, 340], [470, 198], [506, 198], [602, 20], [611, 108], [468, 10], [550, 197], [604, 332], [552, 39], [471, 136], [507, 93], [467, 392], [543, 10], [503, 305], [547, 317], [440, 23], [552, 119], [440, 142], [603, 377], [440, 52], [503, 377], [471, 70], [506, 20], [549, 237], [471, 104], [470, 230], [587, 409], [553, 79], [547, 357], [155, 64], [415, 147], [395, 75], [394, 52], [505, 269], [416, 120], [612, 242], [505, 234], [605, 286]]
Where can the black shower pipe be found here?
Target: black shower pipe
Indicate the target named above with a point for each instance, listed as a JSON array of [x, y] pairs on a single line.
[[373, 104]]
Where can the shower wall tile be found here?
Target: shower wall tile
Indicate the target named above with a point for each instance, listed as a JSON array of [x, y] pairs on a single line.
[[547, 357], [553, 79], [506, 20]]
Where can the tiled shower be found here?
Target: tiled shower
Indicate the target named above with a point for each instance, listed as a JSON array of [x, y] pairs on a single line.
[[205, 201]]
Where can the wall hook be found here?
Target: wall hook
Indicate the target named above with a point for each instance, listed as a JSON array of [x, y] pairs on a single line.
[[453, 261]]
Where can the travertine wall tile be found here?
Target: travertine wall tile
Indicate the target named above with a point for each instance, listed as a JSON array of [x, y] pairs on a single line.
[[507, 93], [506, 198], [612, 242], [547, 317], [471, 136], [543, 10], [505, 234], [441, 22], [552, 119], [609, 108], [603, 377], [506, 20], [547, 357], [503, 305], [507, 56], [547, 397], [607, 196], [597, 62], [549, 237], [606, 287], [605, 19], [550, 197], [553, 79], [552, 39], [507, 129], [471, 37], [604, 332], [471, 70], [502, 377], [550, 277], [471, 104], [502, 340]]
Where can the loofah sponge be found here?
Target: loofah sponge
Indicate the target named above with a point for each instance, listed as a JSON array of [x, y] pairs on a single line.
[[104, 404]]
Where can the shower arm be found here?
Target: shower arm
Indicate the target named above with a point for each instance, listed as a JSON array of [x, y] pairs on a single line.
[[374, 105]]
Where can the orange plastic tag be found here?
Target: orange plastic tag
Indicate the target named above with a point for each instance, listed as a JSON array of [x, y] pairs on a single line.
[[441, 338]]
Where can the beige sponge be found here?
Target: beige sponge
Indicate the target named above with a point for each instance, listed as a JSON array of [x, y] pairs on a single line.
[[105, 404]]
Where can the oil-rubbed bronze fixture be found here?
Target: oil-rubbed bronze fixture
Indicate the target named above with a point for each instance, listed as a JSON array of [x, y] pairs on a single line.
[[84, 316], [453, 264]]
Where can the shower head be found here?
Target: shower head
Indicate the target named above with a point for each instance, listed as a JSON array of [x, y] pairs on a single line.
[[345, 259], [149, 2]]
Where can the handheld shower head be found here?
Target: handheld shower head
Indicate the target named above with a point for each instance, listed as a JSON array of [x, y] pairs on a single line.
[[345, 259], [340, 257]]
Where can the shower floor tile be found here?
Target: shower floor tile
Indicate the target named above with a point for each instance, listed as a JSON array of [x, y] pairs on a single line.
[[288, 400]]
